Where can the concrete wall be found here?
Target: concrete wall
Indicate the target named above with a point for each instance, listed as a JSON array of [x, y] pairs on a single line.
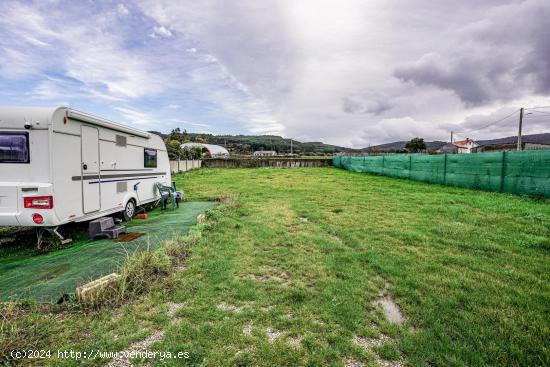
[[267, 162], [182, 166]]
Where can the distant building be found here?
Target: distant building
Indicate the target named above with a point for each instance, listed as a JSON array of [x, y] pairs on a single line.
[[214, 151], [448, 149], [265, 153], [466, 146], [460, 147]]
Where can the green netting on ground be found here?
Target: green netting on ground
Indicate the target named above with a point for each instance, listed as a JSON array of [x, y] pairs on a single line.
[[46, 277], [523, 172]]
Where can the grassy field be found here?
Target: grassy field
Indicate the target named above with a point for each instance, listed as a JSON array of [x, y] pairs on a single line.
[[289, 276]]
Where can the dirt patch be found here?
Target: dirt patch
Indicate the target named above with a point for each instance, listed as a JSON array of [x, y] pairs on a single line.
[[295, 341], [128, 237], [273, 335], [247, 329], [368, 343], [391, 310], [389, 363], [273, 274], [352, 363], [173, 308], [388, 305], [122, 361], [224, 306]]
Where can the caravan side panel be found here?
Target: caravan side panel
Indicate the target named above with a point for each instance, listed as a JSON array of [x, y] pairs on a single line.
[[66, 165]]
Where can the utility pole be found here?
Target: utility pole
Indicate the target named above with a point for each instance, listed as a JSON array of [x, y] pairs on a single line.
[[451, 137], [290, 146], [519, 130]]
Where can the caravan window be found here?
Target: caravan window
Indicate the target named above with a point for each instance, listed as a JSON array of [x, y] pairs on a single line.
[[14, 147], [149, 158]]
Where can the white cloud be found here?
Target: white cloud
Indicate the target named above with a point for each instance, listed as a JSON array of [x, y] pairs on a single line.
[[132, 116], [324, 70], [122, 9], [161, 31], [318, 70]]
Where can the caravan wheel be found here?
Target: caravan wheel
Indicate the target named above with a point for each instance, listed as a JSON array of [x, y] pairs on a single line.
[[129, 210]]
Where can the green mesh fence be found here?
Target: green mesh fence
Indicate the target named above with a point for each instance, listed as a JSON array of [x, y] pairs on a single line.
[[517, 172], [46, 277]]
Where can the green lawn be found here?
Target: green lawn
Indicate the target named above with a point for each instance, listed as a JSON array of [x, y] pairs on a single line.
[[289, 275]]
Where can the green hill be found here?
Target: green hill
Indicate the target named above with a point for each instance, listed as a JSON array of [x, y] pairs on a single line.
[[247, 144]]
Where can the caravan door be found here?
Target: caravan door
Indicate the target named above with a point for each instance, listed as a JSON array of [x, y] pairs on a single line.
[[91, 189]]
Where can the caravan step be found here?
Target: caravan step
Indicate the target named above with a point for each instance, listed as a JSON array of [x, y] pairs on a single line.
[[114, 232], [104, 227], [102, 223]]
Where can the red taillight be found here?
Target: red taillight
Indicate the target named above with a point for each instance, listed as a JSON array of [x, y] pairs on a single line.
[[38, 202], [37, 218]]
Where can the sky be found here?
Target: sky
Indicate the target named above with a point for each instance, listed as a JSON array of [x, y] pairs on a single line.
[[349, 72]]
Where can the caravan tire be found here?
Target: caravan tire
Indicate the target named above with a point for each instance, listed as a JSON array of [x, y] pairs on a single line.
[[129, 210]]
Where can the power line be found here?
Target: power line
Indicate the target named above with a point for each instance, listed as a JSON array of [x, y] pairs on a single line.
[[543, 112], [495, 122]]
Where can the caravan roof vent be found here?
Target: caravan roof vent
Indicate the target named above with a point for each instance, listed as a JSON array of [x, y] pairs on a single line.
[[120, 140]]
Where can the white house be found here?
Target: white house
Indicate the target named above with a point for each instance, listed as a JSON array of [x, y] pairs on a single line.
[[466, 146]]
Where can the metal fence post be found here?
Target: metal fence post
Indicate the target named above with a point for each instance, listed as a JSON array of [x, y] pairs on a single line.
[[410, 165], [503, 172], [445, 170]]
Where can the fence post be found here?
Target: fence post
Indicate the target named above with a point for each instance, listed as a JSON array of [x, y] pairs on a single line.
[[503, 172], [445, 171], [383, 164], [410, 165]]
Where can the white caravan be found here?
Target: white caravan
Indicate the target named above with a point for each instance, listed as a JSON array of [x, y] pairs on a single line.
[[58, 165]]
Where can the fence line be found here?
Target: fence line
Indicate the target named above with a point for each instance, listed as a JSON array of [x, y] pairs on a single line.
[[266, 162], [184, 165], [517, 172]]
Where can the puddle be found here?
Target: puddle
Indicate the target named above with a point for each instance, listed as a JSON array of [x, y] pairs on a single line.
[[391, 310]]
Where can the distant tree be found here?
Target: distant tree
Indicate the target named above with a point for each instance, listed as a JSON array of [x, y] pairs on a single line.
[[192, 153], [174, 150], [416, 145], [177, 134]]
